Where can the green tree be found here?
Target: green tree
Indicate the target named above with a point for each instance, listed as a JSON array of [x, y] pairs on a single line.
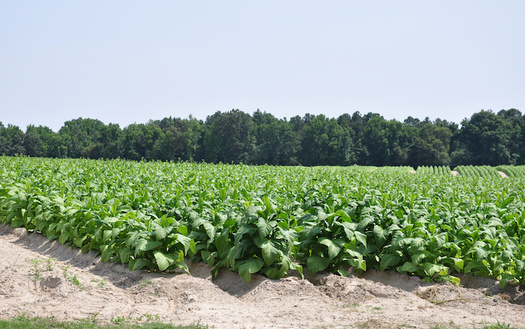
[[487, 138], [179, 139], [229, 137], [11, 140], [139, 141], [82, 137], [3, 140], [51, 142], [376, 142], [34, 146], [355, 125], [110, 141], [325, 142], [276, 142], [431, 146], [516, 125]]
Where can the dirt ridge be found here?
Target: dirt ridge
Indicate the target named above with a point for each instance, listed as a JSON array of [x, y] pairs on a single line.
[[44, 278]]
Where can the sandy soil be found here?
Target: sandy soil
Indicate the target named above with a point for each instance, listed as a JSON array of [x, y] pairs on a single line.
[[42, 278], [502, 174]]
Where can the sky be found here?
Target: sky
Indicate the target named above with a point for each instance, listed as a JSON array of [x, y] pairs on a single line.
[[131, 61]]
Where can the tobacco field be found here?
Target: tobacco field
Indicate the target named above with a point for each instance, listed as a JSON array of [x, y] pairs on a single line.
[[274, 220]]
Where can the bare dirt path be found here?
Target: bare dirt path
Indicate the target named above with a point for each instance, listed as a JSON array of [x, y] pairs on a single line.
[[42, 278]]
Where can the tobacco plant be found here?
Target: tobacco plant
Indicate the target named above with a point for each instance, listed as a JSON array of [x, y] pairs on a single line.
[[274, 220]]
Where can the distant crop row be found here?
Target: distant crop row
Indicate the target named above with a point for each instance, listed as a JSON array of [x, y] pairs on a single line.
[[513, 171], [433, 170], [478, 171], [272, 220], [474, 171]]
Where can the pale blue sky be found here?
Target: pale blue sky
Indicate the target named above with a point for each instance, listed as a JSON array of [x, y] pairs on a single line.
[[131, 61]]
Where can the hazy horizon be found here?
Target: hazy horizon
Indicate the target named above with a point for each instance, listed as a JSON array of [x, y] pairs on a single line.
[[130, 62]]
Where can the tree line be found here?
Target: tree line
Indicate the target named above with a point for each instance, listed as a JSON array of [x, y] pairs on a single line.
[[487, 138]]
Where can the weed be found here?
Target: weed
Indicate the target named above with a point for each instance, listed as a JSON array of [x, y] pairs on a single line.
[[119, 320], [36, 271], [72, 278], [50, 262], [499, 326], [143, 284], [25, 321], [101, 283], [352, 305], [149, 317], [36, 268]]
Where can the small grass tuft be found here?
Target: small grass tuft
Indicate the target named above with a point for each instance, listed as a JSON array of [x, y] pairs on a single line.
[[23, 322]]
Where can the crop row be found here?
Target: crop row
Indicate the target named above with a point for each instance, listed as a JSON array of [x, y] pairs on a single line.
[[513, 171], [478, 171], [271, 220], [433, 170]]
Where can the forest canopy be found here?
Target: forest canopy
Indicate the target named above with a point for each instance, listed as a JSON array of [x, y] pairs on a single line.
[[487, 138]]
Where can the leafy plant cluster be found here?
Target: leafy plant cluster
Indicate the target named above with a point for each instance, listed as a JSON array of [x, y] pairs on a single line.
[[478, 171], [434, 170], [486, 138], [271, 220], [513, 171], [369, 169]]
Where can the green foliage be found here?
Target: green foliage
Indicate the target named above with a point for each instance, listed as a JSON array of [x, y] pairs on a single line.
[[272, 220], [513, 171], [478, 171], [433, 170], [23, 322], [236, 137]]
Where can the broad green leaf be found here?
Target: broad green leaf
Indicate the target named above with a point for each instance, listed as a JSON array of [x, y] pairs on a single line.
[[274, 273], [165, 221], [63, 237], [137, 264], [334, 247], [431, 269], [164, 260], [223, 243], [361, 238], [408, 267], [162, 232], [380, 236], [124, 254], [343, 272], [78, 242], [364, 223], [417, 244], [210, 230], [481, 253], [248, 267], [193, 246], [230, 258], [317, 263], [182, 230], [505, 277], [145, 245], [389, 260], [269, 252], [107, 253], [209, 257], [297, 267], [263, 227], [185, 241], [418, 257], [457, 263], [349, 229]]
